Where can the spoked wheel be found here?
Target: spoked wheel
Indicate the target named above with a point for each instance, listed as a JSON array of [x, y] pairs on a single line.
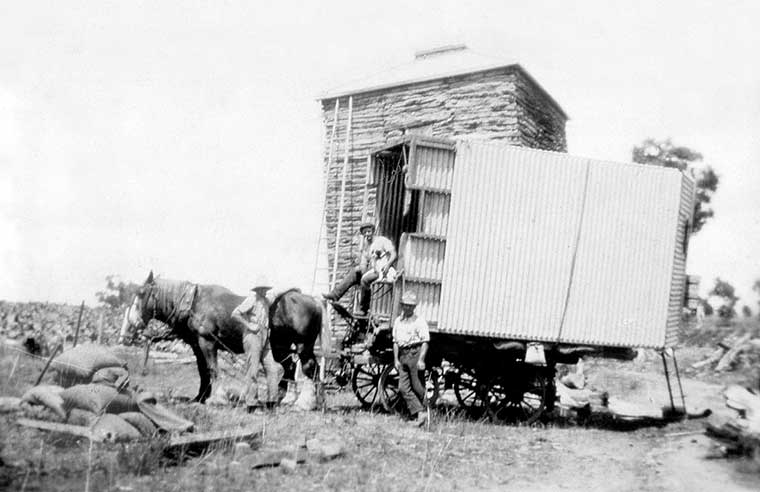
[[365, 381], [520, 403], [390, 396], [470, 393]]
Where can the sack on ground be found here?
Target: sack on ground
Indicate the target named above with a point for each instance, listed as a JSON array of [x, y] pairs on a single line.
[[112, 428], [47, 395], [81, 417], [79, 364], [140, 422], [118, 377], [161, 416], [9, 404], [98, 398]]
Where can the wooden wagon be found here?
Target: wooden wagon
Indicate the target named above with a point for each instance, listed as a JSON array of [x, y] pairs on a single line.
[[514, 251]]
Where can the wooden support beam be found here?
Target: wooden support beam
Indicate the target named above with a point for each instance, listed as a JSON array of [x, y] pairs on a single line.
[[188, 445]]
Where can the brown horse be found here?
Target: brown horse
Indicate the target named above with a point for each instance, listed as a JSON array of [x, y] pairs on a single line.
[[200, 316]]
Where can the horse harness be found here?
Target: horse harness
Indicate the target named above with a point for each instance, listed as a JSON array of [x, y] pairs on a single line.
[[182, 308]]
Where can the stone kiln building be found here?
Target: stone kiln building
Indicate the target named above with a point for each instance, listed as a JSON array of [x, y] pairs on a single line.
[[449, 92]]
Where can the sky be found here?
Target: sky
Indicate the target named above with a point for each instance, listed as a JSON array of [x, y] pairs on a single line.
[[185, 137]]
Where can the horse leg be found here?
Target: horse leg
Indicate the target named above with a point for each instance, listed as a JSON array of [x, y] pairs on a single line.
[[208, 350], [308, 360], [200, 360]]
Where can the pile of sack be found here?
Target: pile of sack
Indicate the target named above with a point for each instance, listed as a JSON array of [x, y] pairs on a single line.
[[91, 390]]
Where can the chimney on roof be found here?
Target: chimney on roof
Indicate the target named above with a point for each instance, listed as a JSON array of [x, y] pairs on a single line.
[[441, 50]]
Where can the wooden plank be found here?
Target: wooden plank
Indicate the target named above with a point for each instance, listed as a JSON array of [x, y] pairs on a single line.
[[188, 445], [74, 430], [728, 359]]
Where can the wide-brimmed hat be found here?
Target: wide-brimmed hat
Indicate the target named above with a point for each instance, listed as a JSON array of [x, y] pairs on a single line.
[[366, 225], [262, 283], [409, 298]]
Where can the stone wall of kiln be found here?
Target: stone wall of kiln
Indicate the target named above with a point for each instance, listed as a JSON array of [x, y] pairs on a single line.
[[503, 104]]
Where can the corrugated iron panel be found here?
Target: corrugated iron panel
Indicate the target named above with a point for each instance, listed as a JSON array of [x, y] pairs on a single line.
[[512, 224], [382, 301], [448, 64], [421, 257], [678, 295], [428, 299], [431, 167], [622, 281], [519, 227], [435, 213]]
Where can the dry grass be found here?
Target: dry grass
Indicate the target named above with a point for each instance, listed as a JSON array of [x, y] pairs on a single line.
[[383, 453]]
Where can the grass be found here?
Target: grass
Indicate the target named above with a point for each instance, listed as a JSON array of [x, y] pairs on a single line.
[[383, 453]]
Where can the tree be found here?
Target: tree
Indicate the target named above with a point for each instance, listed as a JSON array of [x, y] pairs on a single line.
[[665, 153], [746, 311], [725, 291], [117, 294]]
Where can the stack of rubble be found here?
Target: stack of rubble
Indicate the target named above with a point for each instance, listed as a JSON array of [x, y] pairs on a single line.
[[739, 435]]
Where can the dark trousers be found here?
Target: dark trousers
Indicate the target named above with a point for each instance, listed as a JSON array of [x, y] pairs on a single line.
[[411, 381], [364, 278]]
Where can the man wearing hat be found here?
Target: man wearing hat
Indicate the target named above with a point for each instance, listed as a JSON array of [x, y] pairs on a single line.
[[377, 257], [410, 345], [253, 313]]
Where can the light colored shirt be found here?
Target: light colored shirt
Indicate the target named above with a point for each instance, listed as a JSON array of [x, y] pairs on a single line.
[[377, 253], [410, 331], [254, 309]]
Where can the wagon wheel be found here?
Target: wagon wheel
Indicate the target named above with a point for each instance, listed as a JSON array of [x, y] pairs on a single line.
[[364, 382], [390, 396], [469, 392], [521, 403]]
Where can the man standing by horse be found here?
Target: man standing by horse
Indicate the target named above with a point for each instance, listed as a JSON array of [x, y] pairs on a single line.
[[377, 257], [253, 313]]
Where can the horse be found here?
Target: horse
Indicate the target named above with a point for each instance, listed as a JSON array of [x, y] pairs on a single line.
[[200, 315]]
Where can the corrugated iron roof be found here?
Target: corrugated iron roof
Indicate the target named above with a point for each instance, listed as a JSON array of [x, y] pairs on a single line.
[[439, 63]]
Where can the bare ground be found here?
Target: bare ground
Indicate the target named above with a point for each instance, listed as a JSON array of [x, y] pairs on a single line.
[[383, 453]]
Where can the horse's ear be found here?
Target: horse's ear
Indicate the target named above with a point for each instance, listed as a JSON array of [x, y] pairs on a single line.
[[149, 280]]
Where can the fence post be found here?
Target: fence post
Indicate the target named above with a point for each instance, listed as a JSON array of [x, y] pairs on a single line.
[[79, 322]]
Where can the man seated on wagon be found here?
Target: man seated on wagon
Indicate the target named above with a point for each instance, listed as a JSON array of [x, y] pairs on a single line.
[[411, 337], [377, 257], [253, 313]]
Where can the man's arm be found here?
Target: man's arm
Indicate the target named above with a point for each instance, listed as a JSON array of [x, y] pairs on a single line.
[[238, 314], [424, 333], [391, 251], [423, 354], [396, 362]]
